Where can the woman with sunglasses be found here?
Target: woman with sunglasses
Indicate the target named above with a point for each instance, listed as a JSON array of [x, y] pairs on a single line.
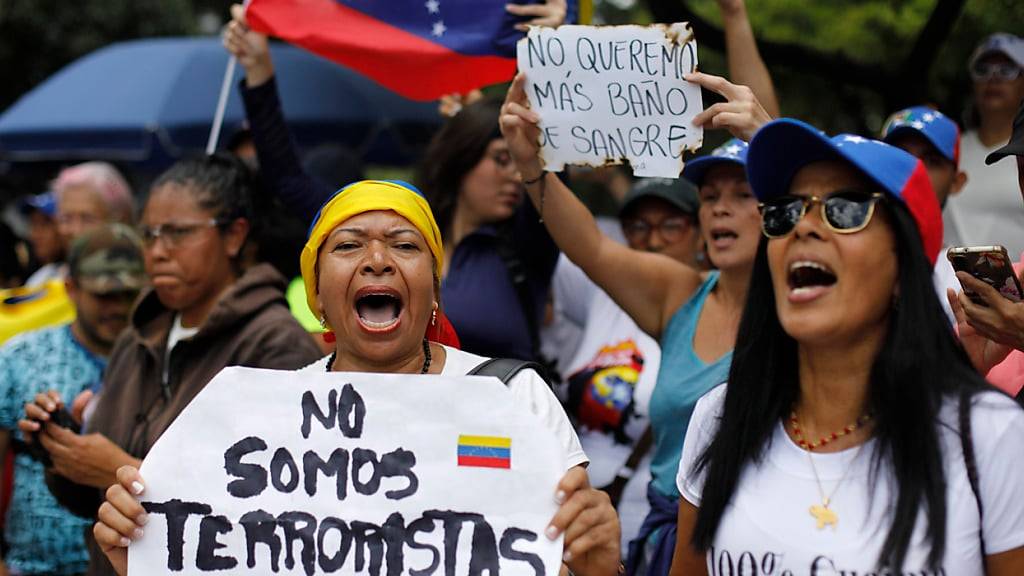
[[988, 209], [371, 268], [204, 311], [853, 436], [692, 315]]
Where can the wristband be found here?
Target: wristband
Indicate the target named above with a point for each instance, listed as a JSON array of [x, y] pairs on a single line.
[[535, 180]]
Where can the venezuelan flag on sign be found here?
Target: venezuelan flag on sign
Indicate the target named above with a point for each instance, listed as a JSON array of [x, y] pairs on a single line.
[[485, 451], [421, 49]]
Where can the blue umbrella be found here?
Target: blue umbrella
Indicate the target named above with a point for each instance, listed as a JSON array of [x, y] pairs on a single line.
[[152, 101]]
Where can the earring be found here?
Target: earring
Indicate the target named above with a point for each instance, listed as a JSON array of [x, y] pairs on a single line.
[[433, 316], [323, 322]]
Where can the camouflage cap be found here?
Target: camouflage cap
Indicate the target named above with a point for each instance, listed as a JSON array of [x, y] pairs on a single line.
[[107, 260]]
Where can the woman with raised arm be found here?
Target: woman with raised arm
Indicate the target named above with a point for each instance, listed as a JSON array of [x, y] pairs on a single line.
[[693, 315], [853, 436]]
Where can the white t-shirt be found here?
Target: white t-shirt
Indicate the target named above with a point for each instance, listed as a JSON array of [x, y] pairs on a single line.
[[945, 277], [177, 334], [529, 391], [989, 209], [768, 522], [614, 363]]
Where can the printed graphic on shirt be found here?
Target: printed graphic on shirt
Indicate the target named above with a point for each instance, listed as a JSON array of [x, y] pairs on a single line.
[[601, 393], [724, 563]]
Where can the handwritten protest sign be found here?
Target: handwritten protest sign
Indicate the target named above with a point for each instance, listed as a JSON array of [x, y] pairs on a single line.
[[612, 94], [297, 473]]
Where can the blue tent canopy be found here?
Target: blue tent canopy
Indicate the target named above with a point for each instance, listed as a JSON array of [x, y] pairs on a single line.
[[151, 101]]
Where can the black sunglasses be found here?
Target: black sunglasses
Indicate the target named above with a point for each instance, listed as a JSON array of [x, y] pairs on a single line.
[[845, 212]]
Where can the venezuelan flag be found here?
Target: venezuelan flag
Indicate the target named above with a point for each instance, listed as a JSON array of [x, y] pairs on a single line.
[[485, 451], [421, 49]]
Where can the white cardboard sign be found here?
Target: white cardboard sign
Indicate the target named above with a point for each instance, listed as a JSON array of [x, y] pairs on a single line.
[[296, 473], [612, 94]]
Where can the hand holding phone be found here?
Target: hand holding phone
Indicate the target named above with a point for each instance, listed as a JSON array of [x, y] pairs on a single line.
[[989, 264]]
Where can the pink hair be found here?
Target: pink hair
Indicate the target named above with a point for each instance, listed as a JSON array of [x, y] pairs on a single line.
[[103, 178]]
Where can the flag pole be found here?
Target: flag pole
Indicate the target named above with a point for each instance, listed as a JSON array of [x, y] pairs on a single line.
[[222, 104]]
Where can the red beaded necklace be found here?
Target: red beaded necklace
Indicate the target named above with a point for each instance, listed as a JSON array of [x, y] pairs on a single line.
[[798, 433]]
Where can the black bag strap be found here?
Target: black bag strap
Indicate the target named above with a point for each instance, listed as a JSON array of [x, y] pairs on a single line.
[[505, 369], [517, 274], [967, 444]]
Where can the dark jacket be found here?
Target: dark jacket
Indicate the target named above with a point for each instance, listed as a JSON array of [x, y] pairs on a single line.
[[478, 294], [249, 326]]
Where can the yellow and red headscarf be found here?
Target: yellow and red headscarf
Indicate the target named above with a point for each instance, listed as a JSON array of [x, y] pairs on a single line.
[[368, 196]]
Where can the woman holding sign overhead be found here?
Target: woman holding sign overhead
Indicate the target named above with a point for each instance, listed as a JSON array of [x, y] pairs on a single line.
[[371, 269]]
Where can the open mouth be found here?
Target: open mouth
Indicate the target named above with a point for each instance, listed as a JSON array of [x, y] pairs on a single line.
[[806, 277], [722, 235], [378, 309]]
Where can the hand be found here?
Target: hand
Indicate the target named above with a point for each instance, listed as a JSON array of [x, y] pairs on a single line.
[[550, 13], [78, 406], [520, 129], [90, 459], [452, 104], [121, 518], [251, 48], [983, 353], [38, 413], [1001, 321], [590, 525], [741, 114], [731, 7]]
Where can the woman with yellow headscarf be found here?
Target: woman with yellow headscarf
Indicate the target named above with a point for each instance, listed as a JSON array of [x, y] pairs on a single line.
[[371, 268]]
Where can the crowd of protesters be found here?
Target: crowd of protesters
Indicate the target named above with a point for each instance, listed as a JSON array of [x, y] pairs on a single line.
[[766, 366]]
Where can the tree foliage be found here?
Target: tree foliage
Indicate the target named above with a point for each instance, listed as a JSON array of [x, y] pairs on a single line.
[[38, 37], [846, 64]]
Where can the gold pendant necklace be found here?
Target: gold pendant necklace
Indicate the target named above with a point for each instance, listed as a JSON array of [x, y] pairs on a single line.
[[823, 515]]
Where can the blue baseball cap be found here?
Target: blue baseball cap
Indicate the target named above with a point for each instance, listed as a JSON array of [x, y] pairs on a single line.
[[45, 203], [734, 151], [782, 147], [933, 125]]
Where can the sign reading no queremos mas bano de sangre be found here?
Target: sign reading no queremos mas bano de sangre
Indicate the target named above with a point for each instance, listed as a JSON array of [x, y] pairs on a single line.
[[608, 94], [274, 472]]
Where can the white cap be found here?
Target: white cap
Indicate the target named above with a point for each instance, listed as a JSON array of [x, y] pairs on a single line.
[[1008, 44]]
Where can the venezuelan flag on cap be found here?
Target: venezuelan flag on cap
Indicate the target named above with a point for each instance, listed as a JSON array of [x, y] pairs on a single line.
[[421, 49], [485, 451]]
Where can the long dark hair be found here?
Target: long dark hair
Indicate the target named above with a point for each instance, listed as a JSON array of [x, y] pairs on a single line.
[[919, 366], [456, 148]]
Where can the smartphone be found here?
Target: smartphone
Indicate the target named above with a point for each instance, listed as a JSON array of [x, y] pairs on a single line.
[[991, 265], [35, 448]]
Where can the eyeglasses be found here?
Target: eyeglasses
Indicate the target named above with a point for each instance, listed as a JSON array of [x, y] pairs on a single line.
[[670, 229], [1002, 71], [174, 234], [845, 212]]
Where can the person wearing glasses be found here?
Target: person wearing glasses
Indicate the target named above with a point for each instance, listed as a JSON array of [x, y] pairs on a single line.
[[989, 211], [202, 312], [88, 195], [853, 435], [693, 315]]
